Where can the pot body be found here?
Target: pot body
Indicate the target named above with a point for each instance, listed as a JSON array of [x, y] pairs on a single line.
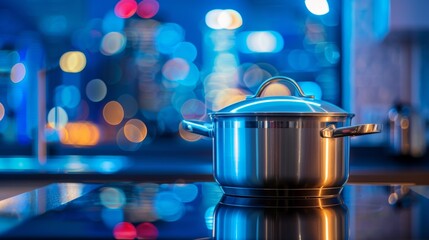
[[279, 155]]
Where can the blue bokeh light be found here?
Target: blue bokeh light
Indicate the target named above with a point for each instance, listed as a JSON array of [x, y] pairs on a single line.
[[168, 36]]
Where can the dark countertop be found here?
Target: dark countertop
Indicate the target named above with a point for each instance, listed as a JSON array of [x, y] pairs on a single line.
[[198, 210]]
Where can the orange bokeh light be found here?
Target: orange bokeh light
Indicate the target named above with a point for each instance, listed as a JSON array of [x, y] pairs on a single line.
[[80, 134], [113, 113], [135, 130]]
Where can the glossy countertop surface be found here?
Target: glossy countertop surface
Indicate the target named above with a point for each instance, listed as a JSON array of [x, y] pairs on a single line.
[[199, 210]]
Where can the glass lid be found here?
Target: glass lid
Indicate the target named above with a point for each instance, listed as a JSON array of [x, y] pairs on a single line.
[[284, 105]]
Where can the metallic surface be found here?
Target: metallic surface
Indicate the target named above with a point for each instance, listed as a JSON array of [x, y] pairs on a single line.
[[279, 156], [282, 105], [285, 219], [332, 132], [282, 146]]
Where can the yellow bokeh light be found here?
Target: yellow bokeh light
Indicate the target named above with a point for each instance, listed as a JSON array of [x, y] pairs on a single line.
[[2, 111], [80, 134], [113, 113], [73, 61], [135, 130], [188, 136]]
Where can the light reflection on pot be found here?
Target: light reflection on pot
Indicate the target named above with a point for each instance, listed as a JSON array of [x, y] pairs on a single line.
[[257, 218]]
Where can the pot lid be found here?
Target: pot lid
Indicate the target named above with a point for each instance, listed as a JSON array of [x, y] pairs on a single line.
[[289, 105]]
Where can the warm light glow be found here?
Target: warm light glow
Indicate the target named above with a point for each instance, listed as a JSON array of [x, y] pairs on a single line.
[[2, 111], [227, 97], [223, 19], [125, 8], [135, 130], [17, 73], [276, 89], [113, 113], [80, 134], [317, 7], [73, 61]]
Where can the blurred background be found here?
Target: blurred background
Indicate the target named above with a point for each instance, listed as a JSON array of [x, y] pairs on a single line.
[[116, 77]]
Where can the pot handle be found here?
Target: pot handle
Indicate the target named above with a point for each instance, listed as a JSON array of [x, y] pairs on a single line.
[[332, 132], [279, 79], [198, 127]]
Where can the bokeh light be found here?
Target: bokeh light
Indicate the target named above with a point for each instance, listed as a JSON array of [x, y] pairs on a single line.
[[185, 50], [113, 43], [167, 36], [124, 230], [317, 7], [185, 192], [223, 19], [96, 90], [147, 8], [135, 130], [260, 42], [112, 197], [254, 75], [80, 134], [113, 113], [168, 206], [2, 111], [73, 61], [17, 73], [125, 8], [147, 230], [227, 97], [57, 117], [125, 144], [67, 96], [193, 109], [192, 77], [175, 69]]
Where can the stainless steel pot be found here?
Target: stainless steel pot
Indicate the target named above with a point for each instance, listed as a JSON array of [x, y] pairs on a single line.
[[282, 146]]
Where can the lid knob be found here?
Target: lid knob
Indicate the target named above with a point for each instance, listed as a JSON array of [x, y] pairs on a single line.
[[280, 79]]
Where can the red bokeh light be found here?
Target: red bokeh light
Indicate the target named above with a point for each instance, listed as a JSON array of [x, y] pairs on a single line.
[[148, 8], [125, 8], [124, 230], [147, 230]]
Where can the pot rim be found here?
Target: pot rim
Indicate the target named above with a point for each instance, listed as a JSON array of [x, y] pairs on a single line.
[[274, 114]]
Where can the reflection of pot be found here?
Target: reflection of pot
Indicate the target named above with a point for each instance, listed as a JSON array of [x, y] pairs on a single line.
[[281, 145], [280, 218], [406, 131]]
